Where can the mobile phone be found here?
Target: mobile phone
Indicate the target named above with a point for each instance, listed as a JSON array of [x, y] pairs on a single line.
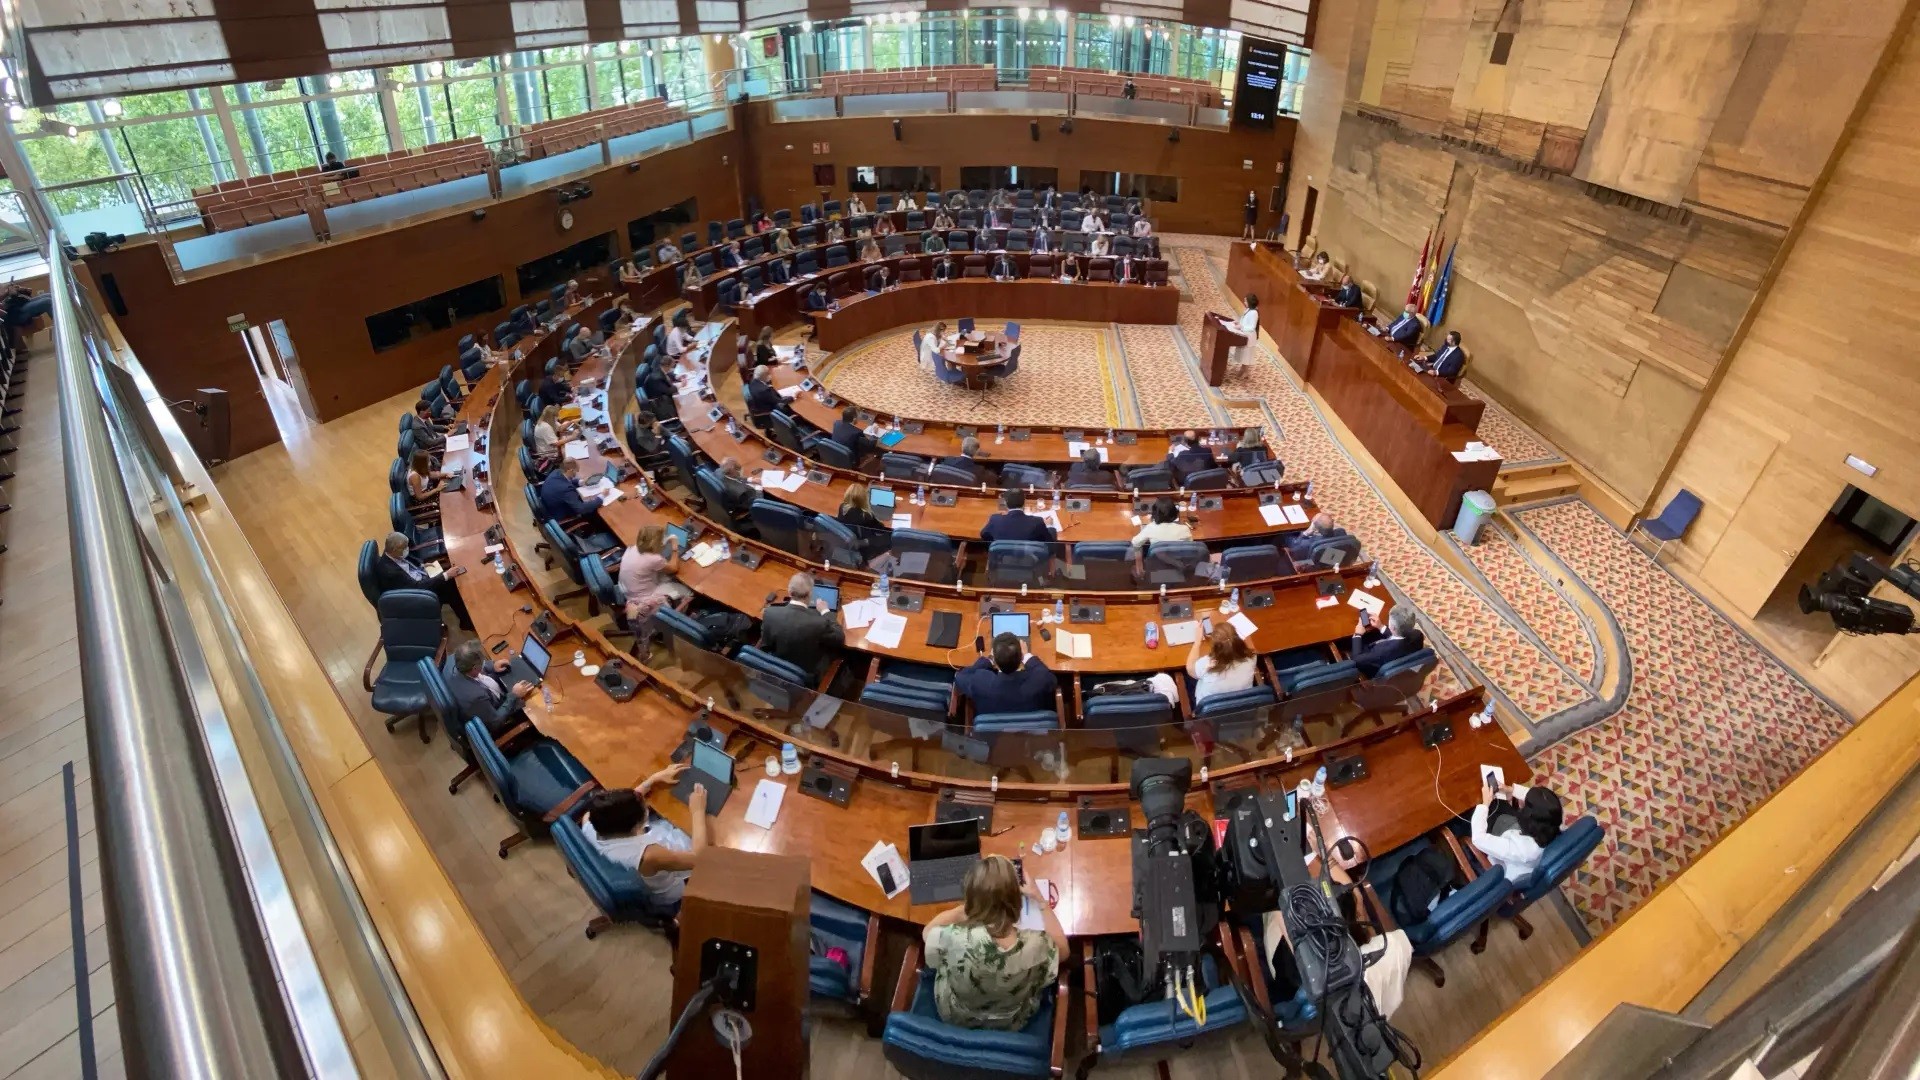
[[500, 646], [1206, 625], [980, 644], [1020, 870], [886, 879]]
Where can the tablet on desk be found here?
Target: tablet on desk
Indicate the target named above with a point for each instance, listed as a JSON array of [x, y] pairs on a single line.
[[880, 499], [710, 767], [680, 534], [828, 593], [1017, 623]]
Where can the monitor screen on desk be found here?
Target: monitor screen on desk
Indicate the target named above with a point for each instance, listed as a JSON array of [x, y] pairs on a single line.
[[828, 593], [880, 498], [1016, 623], [945, 840]]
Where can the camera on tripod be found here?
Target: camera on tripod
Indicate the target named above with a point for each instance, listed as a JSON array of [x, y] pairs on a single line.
[[1842, 593]]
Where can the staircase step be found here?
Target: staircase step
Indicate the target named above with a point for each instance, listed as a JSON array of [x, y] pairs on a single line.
[[1533, 488], [1538, 468]]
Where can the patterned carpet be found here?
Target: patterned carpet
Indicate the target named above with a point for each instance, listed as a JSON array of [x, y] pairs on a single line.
[[1710, 723]]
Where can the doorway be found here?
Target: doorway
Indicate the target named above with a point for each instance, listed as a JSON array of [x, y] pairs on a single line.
[[1856, 524], [282, 383]]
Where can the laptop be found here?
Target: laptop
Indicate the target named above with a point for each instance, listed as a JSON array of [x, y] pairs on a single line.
[[529, 665], [938, 858], [712, 768], [1017, 623]]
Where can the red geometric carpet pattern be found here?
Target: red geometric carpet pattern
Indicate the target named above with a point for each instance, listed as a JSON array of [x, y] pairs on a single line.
[[1525, 589], [1712, 723], [1063, 379], [1537, 686], [1516, 441]]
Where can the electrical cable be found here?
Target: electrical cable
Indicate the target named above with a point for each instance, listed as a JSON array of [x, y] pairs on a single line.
[[695, 1005]]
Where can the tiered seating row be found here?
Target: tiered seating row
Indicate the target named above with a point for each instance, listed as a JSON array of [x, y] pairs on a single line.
[[259, 199]]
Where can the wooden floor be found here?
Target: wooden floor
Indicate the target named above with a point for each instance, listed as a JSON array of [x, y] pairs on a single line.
[[41, 729], [306, 505]]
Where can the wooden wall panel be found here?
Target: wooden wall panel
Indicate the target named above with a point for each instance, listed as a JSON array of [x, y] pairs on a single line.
[[325, 295], [1334, 75], [1561, 55], [1214, 179], [1826, 370], [1674, 69]]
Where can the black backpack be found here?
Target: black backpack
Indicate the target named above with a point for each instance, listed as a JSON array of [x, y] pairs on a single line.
[[1422, 880]]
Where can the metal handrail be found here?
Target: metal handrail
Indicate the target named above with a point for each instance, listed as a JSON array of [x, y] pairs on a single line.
[[213, 969]]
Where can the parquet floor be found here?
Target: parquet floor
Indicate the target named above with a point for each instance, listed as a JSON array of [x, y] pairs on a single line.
[[306, 505], [42, 727]]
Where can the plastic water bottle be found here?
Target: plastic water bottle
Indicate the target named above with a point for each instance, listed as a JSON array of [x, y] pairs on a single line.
[[1235, 598], [1059, 609], [1062, 829], [885, 585], [920, 496], [1320, 789]]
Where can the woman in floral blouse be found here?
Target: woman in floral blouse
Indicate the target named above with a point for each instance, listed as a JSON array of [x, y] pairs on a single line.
[[989, 973]]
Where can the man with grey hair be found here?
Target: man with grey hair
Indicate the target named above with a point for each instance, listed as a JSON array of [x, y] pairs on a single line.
[[1374, 648], [969, 450], [762, 398], [1300, 546], [395, 569], [799, 629], [478, 691]]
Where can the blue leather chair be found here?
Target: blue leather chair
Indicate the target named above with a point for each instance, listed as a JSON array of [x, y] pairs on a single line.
[[782, 218], [897, 466], [833, 924], [967, 219], [614, 889], [806, 236], [1174, 563], [923, 1047], [837, 256], [1316, 692], [779, 684], [1012, 563], [410, 631], [831, 207], [369, 585], [424, 538], [806, 262], [958, 240], [433, 677], [894, 245], [820, 447], [786, 431], [1464, 909], [1240, 721], [1558, 861], [716, 232], [883, 203], [1017, 237], [835, 542], [538, 785], [1155, 1030], [1252, 562], [916, 221], [689, 241], [780, 524], [939, 549], [707, 480], [1333, 551], [1209, 480], [1134, 722], [951, 474], [780, 271], [752, 247], [946, 372], [1104, 564], [808, 213], [1150, 478], [736, 228], [606, 594]]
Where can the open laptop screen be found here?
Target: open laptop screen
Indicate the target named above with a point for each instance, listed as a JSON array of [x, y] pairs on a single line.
[[945, 840], [535, 654], [712, 760]]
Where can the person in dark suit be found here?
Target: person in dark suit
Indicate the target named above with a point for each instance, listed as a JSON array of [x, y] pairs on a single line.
[[1373, 647], [427, 435], [477, 690], [799, 629], [1250, 449], [1186, 456], [1405, 330], [879, 279], [1449, 360], [965, 462], [1300, 547], [817, 298], [735, 492], [730, 256], [560, 495], [1012, 681], [1348, 295], [944, 270], [395, 569], [1004, 268], [1089, 471], [1014, 523], [762, 398], [555, 390], [846, 432]]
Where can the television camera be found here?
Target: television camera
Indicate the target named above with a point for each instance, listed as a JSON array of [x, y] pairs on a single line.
[[1842, 593]]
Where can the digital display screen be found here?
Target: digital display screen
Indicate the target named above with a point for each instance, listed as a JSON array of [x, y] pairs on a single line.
[[1256, 93]]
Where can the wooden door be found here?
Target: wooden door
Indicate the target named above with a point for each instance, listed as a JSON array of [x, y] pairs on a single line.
[[1785, 505]]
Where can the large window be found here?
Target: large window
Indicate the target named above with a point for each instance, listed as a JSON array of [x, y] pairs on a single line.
[[894, 178], [1031, 177], [400, 325], [544, 273], [1132, 185]]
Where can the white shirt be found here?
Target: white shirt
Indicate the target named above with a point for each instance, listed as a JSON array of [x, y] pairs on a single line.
[[1514, 851], [1090, 224], [546, 441], [678, 342], [665, 887], [1142, 227], [1208, 682], [1250, 323], [1386, 978], [1159, 532], [927, 345]]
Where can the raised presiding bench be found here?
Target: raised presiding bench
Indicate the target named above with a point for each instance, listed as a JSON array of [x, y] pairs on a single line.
[[865, 315], [1293, 310]]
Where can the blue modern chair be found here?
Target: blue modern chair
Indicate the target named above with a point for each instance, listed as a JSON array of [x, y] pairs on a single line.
[[944, 371], [916, 221], [1153, 1031], [1150, 478], [1396, 685], [831, 207], [916, 690], [820, 447], [1017, 475], [689, 241], [538, 785], [780, 524], [1673, 521], [834, 925], [606, 595], [1237, 716], [883, 203], [897, 466], [693, 649], [716, 232], [613, 888], [1464, 909], [410, 631], [837, 256], [936, 550], [1104, 564], [808, 213], [951, 474], [782, 218], [424, 537], [923, 1047], [1558, 861], [1175, 563], [727, 296], [1133, 722], [834, 542], [1011, 563], [1252, 562], [958, 240], [1333, 551], [752, 247], [736, 228], [1317, 692], [434, 678]]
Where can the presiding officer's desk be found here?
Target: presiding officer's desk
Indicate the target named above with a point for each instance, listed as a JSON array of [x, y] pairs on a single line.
[[1408, 791], [1413, 424]]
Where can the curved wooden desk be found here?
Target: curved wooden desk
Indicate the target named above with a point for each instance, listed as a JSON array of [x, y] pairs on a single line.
[[623, 742], [865, 315]]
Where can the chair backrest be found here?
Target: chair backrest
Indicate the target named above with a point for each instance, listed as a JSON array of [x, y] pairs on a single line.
[[780, 524], [1040, 265], [613, 888], [1020, 475], [937, 547], [1559, 859], [959, 241], [736, 228], [822, 448], [1174, 562], [565, 549], [768, 664], [951, 474], [444, 708], [1251, 562], [837, 542], [1235, 701], [1209, 480], [1151, 478], [1132, 721], [410, 626], [837, 255], [1334, 551], [397, 472], [895, 466], [1018, 562], [1680, 511], [711, 489], [916, 220], [493, 765], [715, 233], [593, 574], [786, 431], [369, 585], [680, 626], [1462, 910]]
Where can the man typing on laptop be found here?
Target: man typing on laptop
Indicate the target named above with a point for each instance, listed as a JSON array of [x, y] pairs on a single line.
[[483, 690]]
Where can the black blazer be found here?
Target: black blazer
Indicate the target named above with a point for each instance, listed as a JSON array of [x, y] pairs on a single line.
[[1189, 461], [1374, 649], [762, 399], [1348, 295], [800, 635], [1448, 362], [1016, 525], [853, 439], [963, 462], [1405, 330], [390, 575], [1082, 473]]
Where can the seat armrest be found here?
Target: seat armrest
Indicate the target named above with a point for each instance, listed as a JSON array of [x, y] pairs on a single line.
[[869, 957], [1266, 669], [513, 733], [1056, 1066], [379, 644], [1060, 706], [909, 981], [833, 670], [1460, 861], [572, 800], [1180, 690], [1377, 911]]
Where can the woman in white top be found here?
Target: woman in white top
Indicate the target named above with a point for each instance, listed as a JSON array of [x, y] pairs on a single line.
[[1142, 227], [619, 825], [855, 206], [1220, 663], [930, 341], [1249, 324], [547, 433], [782, 243], [1511, 826], [1319, 268], [1092, 223], [906, 202]]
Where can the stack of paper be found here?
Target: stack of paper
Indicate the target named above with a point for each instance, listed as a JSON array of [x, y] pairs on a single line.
[[434, 569], [1366, 602], [886, 630], [859, 613], [1078, 448], [903, 521], [457, 443], [1296, 515], [790, 392], [772, 477], [1180, 633], [1242, 625], [1275, 515], [794, 482], [577, 449], [704, 554]]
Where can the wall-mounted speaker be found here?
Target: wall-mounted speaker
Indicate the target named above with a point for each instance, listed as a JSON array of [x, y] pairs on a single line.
[[111, 290], [896, 131], [1033, 128]]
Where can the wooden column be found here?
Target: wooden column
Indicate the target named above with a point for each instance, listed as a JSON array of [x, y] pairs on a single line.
[[760, 902]]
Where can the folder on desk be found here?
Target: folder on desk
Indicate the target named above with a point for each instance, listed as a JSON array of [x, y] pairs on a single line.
[[892, 439]]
